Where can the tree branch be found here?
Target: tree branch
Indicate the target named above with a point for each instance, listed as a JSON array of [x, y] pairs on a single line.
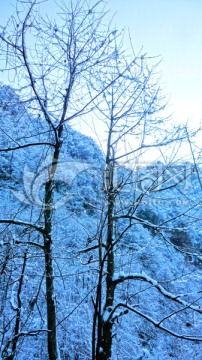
[[143, 277], [156, 323], [22, 223], [26, 145]]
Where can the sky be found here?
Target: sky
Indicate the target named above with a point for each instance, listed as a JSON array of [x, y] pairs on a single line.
[[171, 29]]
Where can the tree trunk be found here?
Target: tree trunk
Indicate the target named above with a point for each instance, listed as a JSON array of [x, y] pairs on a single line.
[[53, 351], [104, 349]]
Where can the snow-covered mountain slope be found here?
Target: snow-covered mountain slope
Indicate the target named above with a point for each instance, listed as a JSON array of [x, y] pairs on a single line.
[[142, 250]]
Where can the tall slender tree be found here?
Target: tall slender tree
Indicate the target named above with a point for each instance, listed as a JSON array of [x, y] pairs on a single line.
[[132, 113], [51, 62], [73, 67]]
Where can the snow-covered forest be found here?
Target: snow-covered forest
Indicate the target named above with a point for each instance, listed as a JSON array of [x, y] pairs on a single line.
[[100, 246]]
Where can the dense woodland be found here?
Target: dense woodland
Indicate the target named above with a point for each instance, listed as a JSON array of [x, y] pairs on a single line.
[[100, 247]]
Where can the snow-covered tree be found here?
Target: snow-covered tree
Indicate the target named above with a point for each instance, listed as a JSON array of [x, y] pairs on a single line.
[[132, 114], [72, 211], [50, 62]]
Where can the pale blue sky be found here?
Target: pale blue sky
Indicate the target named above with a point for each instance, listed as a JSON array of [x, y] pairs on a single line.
[[171, 29]]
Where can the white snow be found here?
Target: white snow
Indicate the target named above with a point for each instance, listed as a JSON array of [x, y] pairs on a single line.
[[106, 314]]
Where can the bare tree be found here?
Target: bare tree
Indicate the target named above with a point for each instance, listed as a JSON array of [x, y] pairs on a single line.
[[50, 63], [65, 69], [131, 112]]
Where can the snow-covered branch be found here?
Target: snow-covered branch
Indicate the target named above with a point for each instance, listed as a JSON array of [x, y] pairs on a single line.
[[119, 278], [157, 324], [22, 223]]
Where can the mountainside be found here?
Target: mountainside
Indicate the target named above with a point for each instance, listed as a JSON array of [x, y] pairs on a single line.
[[78, 202]]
